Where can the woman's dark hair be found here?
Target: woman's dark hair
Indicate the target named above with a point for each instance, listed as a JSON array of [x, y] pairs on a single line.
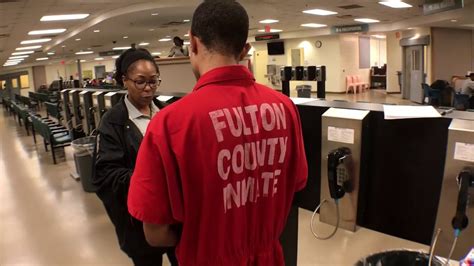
[[126, 62], [222, 26], [178, 41]]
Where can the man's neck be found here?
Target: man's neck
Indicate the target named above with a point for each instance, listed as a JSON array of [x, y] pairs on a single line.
[[213, 60]]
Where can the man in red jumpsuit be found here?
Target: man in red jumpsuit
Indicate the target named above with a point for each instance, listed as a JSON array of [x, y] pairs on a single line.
[[223, 163]]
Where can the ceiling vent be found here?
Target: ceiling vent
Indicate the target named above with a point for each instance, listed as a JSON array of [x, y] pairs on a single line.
[[350, 6], [346, 16], [8, 1], [173, 23], [2, 36]]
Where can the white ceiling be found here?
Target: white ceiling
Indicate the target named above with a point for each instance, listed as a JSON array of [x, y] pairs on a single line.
[[118, 18]]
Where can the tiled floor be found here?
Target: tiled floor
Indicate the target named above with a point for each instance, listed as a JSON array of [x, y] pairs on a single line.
[[47, 219]]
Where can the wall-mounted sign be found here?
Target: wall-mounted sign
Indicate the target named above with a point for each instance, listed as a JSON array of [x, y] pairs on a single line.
[[267, 37], [436, 6], [110, 53], [350, 28]]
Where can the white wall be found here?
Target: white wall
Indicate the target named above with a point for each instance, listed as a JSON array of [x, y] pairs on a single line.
[[394, 62], [378, 52]]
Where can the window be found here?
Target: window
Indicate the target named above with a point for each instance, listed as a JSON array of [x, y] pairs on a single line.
[[415, 59], [24, 81], [15, 83]]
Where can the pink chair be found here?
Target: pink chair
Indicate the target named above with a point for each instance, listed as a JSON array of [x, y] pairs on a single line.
[[362, 85], [350, 84]]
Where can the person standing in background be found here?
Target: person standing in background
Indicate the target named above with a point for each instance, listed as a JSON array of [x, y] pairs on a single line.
[[120, 133], [178, 49], [217, 171]]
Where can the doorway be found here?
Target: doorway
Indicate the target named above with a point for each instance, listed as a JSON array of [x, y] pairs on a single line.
[[99, 72], [414, 73], [261, 62]]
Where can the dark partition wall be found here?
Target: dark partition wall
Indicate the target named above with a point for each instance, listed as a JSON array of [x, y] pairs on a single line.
[[402, 170]]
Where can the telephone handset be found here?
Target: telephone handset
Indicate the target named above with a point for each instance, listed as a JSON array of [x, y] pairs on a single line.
[[465, 180], [339, 172]]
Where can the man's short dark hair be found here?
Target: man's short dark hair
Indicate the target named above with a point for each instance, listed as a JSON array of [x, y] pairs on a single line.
[[222, 26]]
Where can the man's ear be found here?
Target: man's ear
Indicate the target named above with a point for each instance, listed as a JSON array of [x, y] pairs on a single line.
[[194, 49], [245, 51]]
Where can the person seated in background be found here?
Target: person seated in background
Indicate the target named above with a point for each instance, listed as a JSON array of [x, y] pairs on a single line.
[[468, 85], [120, 133], [178, 48]]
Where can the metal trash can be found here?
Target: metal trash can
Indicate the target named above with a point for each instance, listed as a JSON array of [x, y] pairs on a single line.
[[397, 258], [84, 160], [304, 91]]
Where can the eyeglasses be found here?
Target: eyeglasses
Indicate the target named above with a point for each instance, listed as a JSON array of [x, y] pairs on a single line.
[[141, 84]]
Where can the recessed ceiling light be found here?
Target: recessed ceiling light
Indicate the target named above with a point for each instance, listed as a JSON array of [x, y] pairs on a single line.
[[319, 12], [454, 20], [42, 59], [186, 20], [98, 58], [269, 21], [96, 31], [78, 39], [18, 57], [51, 31], [157, 53], [367, 20], [395, 4], [121, 48], [22, 53], [64, 17], [410, 28], [51, 53], [186, 43], [29, 47], [144, 43], [82, 61], [125, 37], [164, 40], [151, 29], [36, 41], [84, 52], [271, 30], [186, 35], [379, 36], [154, 14], [314, 25]]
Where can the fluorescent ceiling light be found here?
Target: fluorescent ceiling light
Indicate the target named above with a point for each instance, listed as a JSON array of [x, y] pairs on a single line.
[[269, 21], [125, 37], [154, 14], [121, 48], [157, 53], [186, 43], [96, 31], [164, 40], [144, 43], [468, 25], [367, 20], [99, 58], [319, 12], [454, 20], [15, 60], [36, 41], [64, 46], [51, 31], [271, 30], [28, 48], [151, 29], [115, 56], [51, 53], [186, 35], [78, 39], [42, 59], [379, 36], [10, 64], [18, 57], [64, 17], [82, 61], [22, 53], [314, 25], [186, 20], [395, 4], [84, 52]]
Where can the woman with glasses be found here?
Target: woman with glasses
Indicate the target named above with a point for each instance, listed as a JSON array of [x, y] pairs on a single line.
[[120, 133]]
